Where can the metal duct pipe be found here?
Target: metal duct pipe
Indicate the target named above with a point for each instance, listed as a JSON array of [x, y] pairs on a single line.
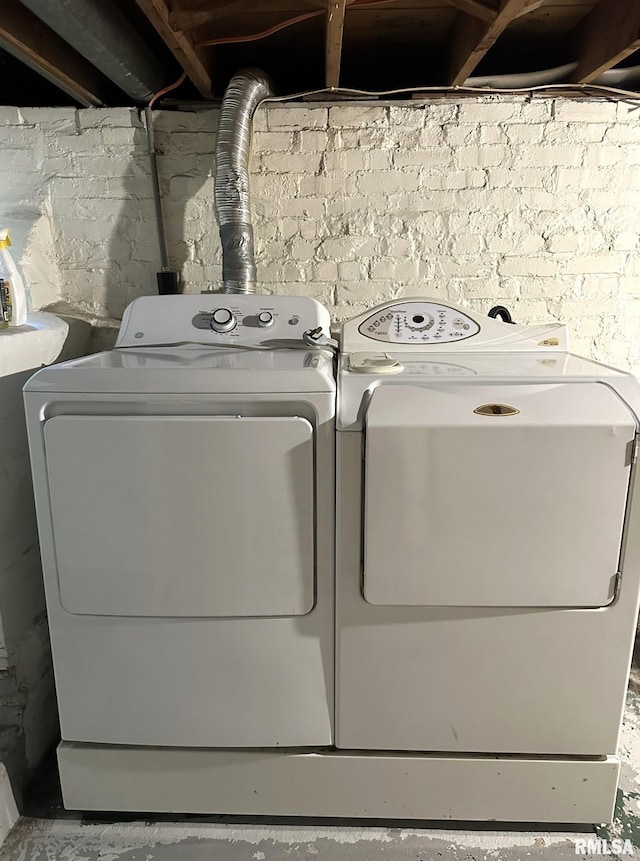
[[522, 80], [246, 90], [559, 75], [99, 31], [621, 75]]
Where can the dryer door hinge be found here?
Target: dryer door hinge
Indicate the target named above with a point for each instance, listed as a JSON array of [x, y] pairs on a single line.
[[617, 584], [632, 452]]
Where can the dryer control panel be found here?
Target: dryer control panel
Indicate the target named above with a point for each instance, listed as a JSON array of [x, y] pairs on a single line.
[[419, 323], [217, 318]]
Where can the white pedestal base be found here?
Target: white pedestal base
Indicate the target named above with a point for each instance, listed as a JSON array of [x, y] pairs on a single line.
[[338, 784]]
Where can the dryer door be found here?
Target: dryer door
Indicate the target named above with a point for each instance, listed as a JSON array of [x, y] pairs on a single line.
[[182, 515], [499, 496]]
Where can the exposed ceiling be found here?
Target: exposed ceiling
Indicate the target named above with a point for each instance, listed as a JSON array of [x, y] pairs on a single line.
[[123, 52]]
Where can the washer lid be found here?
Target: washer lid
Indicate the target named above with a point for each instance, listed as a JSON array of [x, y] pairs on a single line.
[[191, 368], [495, 495]]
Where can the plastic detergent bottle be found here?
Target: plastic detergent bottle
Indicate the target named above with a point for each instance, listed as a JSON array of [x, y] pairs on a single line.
[[14, 296], [5, 308]]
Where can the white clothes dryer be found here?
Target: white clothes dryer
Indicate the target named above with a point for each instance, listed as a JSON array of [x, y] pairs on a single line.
[[488, 562]]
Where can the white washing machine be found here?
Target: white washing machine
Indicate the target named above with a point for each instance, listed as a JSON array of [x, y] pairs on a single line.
[[184, 485], [488, 561]]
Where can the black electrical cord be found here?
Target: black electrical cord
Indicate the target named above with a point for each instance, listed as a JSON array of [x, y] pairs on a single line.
[[166, 277], [500, 311]]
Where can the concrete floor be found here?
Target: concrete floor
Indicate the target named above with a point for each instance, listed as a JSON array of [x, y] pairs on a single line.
[[47, 833]]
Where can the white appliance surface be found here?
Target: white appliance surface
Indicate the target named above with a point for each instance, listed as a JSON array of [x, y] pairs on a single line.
[[471, 369], [433, 326], [378, 785], [224, 531], [488, 538], [215, 319], [496, 510], [190, 368], [185, 499], [487, 581]]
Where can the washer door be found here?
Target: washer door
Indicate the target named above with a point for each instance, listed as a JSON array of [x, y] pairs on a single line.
[[182, 515], [495, 496]]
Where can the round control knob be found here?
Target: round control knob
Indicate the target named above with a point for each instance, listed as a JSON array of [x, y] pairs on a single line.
[[265, 318], [222, 320]]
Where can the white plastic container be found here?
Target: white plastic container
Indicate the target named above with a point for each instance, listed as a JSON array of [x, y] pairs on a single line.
[[13, 280]]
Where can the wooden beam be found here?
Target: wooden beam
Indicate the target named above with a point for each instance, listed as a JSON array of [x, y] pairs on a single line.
[[609, 33], [239, 13], [193, 60], [530, 6], [26, 37], [182, 19], [335, 30], [472, 38], [476, 9]]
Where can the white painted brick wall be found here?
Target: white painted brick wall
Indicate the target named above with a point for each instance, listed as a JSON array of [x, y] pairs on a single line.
[[531, 203]]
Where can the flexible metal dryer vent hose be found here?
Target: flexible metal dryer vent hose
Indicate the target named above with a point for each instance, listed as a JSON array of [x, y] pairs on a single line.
[[246, 90]]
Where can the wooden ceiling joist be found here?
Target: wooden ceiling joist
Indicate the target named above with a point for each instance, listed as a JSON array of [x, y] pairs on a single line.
[[471, 39], [26, 37], [193, 60], [335, 31], [182, 20], [530, 6], [609, 33], [188, 16], [476, 9]]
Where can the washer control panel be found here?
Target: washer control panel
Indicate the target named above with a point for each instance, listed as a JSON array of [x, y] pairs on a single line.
[[251, 320], [418, 323], [229, 319]]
